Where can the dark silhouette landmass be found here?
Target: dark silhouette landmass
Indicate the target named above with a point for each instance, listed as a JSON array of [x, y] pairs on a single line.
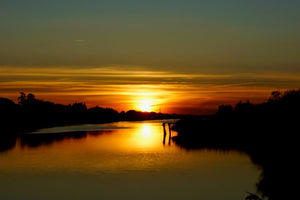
[[267, 132], [31, 114]]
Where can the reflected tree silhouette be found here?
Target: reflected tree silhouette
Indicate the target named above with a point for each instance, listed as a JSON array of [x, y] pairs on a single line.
[[39, 139], [7, 142]]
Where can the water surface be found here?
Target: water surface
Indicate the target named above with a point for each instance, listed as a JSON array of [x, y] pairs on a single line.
[[122, 160]]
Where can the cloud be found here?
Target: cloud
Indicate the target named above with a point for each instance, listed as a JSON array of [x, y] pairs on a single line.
[[80, 41]]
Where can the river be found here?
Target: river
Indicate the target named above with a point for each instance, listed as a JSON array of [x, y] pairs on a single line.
[[121, 160]]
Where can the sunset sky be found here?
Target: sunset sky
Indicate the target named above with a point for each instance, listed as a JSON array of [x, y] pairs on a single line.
[[171, 55]]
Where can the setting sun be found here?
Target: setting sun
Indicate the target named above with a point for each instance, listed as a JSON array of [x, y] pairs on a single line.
[[146, 106]]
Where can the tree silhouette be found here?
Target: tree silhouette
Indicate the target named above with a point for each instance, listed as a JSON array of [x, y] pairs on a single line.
[[30, 97], [22, 98]]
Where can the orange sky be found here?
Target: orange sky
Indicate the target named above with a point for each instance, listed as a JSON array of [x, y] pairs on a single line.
[[125, 88], [177, 56]]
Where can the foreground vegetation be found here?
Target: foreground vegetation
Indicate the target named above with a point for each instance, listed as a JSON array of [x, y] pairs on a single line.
[[267, 132]]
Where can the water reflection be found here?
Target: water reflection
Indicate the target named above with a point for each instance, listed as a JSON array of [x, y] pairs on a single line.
[[165, 134], [146, 131], [138, 135], [116, 163], [8, 141], [35, 140], [132, 146]]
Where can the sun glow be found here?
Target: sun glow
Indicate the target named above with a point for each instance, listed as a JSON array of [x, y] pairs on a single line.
[[146, 105]]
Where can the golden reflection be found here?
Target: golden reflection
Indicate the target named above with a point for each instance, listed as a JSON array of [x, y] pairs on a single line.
[[123, 150], [146, 136], [146, 131]]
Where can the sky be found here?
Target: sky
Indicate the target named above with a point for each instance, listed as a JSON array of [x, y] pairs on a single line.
[[173, 56]]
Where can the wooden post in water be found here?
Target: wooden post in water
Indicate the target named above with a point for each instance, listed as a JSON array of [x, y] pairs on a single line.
[[165, 133], [170, 133]]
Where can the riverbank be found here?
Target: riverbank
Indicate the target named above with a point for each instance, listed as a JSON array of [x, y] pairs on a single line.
[[266, 132]]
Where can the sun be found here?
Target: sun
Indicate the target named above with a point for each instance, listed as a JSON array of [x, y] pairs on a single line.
[[146, 106]]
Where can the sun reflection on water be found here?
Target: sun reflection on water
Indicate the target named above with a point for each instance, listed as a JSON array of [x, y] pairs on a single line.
[[146, 136], [146, 131], [120, 160]]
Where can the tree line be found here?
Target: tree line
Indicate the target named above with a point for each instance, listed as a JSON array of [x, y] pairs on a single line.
[[32, 113], [267, 132]]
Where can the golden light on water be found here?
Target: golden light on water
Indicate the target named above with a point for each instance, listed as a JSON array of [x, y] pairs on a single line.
[[146, 137], [146, 131]]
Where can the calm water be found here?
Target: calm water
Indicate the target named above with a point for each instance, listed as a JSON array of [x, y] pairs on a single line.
[[123, 160]]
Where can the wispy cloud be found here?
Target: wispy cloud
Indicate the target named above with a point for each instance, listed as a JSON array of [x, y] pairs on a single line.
[[80, 40]]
